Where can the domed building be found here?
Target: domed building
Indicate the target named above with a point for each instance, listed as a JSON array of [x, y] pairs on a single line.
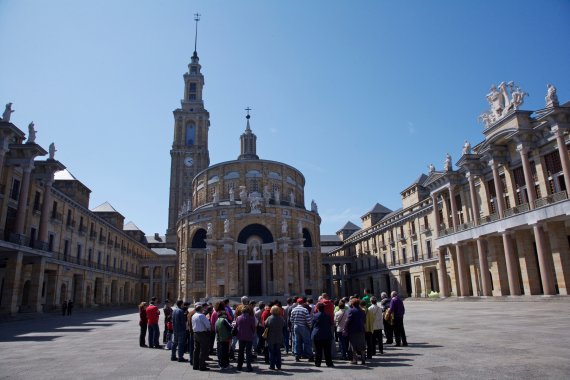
[[239, 227], [247, 231]]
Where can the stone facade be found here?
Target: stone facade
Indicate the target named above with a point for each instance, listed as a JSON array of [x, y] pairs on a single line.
[[497, 225], [53, 248], [241, 226]]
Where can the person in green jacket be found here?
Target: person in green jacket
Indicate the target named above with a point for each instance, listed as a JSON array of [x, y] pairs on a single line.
[[368, 329]]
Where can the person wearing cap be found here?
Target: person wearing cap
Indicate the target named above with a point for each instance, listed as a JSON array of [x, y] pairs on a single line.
[[301, 321], [201, 327]]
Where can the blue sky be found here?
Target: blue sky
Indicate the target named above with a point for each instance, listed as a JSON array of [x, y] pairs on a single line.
[[360, 96]]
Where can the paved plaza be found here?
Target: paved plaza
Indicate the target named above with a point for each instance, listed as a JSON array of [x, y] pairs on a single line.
[[447, 339]]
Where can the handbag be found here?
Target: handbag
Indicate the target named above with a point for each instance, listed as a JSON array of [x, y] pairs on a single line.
[[265, 333]]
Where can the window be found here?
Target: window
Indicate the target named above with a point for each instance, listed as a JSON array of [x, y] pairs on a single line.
[[190, 134], [193, 69], [192, 87], [68, 221], [192, 96], [65, 249], [394, 258], [199, 262], [54, 210], [404, 255], [416, 255], [307, 266], [15, 192], [78, 253], [37, 197], [89, 255], [50, 242], [428, 246]]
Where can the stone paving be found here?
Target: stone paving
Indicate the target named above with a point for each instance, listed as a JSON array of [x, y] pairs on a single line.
[[447, 340]]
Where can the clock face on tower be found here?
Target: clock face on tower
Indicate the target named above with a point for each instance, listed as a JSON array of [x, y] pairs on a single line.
[[188, 161]]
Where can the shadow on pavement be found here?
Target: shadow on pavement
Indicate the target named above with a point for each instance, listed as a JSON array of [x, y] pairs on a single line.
[[85, 321]]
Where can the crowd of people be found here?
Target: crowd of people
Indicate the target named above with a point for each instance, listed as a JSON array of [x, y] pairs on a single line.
[[259, 331]]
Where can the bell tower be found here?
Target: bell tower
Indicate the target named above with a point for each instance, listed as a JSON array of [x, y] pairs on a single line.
[[189, 154]]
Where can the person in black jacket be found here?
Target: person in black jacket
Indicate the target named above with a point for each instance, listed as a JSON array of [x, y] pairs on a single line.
[[322, 336]]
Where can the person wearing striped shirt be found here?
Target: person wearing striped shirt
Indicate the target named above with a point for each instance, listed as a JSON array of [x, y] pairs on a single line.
[[301, 322]]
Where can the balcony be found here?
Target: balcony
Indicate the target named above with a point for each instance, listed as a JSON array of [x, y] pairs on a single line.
[[57, 217], [426, 230], [546, 208]]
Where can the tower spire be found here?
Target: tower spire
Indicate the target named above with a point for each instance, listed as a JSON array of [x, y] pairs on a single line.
[[248, 142], [196, 18]]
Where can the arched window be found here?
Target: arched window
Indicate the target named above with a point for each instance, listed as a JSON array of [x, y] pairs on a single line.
[[190, 134]]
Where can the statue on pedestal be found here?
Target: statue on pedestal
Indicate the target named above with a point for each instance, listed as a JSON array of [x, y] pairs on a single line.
[[242, 194], [431, 168], [52, 151], [215, 196], [209, 229], [551, 97], [227, 226], [447, 163], [314, 207], [467, 147], [266, 194], [300, 227], [232, 195], [7, 113], [284, 227], [254, 202], [31, 134], [292, 198], [277, 197]]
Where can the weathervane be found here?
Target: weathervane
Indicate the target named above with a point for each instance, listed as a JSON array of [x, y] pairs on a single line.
[[248, 109], [196, 18]]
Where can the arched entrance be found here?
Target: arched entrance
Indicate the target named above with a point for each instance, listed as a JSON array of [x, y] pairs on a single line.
[[418, 287], [256, 266], [88, 298], [63, 293]]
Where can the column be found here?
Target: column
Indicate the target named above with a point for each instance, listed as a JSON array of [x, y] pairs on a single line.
[[510, 260], [523, 151], [162, 285], [563, 152], [44, 217], [463, 284], [544, 261], [302, 272], [12, 279], [285, 272], [244, 269], [207, 273], [23, 199], [474, 203], [454, 217], [498, 188], [151, 280], [436, 214], [4, 143], [36, 283], [264, 272], [484, 268], [442, 273]]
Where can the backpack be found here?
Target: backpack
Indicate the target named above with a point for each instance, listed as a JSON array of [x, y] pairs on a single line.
[[224, 329]]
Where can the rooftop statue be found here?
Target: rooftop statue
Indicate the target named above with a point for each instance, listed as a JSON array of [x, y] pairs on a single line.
[[447, 164], [31, 134], [52, 151], [7, 112], [431, 168], [467, 147], [503, 99], [314, 207], [551, 97], [284, 227]]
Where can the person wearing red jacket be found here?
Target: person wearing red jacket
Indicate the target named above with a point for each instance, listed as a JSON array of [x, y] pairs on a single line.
[[329, 306], [152, 314]]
